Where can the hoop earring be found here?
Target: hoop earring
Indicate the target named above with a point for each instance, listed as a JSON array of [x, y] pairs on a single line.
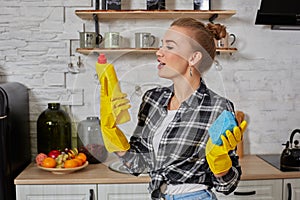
[[191, 73]]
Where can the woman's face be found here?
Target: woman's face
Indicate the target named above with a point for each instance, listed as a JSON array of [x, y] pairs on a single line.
[[175, 53]]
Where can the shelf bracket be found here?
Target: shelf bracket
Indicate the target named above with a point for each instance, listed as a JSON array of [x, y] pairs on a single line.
[[95, 17], [213, 17]]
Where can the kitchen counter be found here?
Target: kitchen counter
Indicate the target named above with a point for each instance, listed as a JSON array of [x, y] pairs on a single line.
[[253, 168]]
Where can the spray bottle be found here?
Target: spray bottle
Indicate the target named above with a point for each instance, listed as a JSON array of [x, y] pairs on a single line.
[[108, 78]]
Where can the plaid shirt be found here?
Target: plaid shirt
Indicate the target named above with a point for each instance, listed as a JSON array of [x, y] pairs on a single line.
[[181, 154]]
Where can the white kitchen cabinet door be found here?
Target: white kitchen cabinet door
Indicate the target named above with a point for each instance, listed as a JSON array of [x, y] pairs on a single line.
[[291, 189], [123, 192], [258, 190], [56, 192]]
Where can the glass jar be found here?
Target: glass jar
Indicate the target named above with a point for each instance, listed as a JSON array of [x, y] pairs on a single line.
[[53, 129], [90, 141]]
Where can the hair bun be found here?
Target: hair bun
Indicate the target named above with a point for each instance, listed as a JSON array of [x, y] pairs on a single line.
[[218, 30]]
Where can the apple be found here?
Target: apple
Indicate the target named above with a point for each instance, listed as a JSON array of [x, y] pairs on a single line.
[[40, 158], [54, 153]]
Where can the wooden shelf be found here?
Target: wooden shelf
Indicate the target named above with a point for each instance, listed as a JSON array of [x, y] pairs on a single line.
[[87, 51], [154, 14], [210, 15]]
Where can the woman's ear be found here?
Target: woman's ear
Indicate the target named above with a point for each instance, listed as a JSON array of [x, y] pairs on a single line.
[[195, 58]]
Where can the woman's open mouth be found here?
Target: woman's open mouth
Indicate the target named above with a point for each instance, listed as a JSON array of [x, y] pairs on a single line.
[[161, 65]]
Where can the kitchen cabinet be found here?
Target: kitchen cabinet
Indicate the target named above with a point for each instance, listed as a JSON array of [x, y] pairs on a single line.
[[291, 189], [123, 191], [101, 15], [84, 191], [263, 182], [260, 189], [57, 192]]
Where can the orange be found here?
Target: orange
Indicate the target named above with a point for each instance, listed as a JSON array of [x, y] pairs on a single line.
[[82, 156], [70, 163], [79, 161], [49, 162]]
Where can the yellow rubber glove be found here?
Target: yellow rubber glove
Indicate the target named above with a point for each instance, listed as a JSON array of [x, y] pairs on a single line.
[[113, 109], [111, 89], [217, 156], [120, 105], [113, 137]]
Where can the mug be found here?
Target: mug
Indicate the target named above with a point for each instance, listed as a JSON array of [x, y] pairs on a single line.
[[144, 40], [89, 39], [112, 40], [225, 42]]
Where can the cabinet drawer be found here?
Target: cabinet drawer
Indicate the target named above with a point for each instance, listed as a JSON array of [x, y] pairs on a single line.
[[123, 191], [57, 192], [258, 190], [291, 189]]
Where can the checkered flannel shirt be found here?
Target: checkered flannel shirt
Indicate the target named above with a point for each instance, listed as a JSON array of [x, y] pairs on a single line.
[[181, 154]]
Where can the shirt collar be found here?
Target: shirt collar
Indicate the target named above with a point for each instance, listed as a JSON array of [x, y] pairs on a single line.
[[193, 100]]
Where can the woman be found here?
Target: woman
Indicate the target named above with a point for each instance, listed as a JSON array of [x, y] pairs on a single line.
[[171, 139]]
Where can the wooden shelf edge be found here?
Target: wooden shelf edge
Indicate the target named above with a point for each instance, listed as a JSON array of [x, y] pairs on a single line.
[[154, 14], [87, 51], [226, 50]]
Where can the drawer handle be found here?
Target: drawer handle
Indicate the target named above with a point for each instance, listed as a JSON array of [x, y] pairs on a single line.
[[245, 193], [289, 187], [91, 194]]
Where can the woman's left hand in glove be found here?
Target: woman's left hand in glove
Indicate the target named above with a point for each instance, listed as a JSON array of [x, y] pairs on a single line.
[[217, 156]]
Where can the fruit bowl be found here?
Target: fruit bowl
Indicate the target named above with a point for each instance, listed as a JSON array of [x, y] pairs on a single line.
[[64, 170]]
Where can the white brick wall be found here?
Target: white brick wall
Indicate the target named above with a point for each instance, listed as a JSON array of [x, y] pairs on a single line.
[[262, 78]]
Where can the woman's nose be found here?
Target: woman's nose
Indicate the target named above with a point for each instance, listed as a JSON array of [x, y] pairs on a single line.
[[159, 52]]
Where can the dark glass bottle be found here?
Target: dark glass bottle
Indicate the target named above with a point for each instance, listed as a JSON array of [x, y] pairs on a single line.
[[90, 141], [53, 129]]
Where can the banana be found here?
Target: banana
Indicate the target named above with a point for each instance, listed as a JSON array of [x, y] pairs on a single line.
[[75, 151], [72, 153]]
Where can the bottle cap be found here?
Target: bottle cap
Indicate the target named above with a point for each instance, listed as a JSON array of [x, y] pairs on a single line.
[[102, 59]]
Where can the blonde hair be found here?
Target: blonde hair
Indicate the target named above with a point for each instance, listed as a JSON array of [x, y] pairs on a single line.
[[204, 36]]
